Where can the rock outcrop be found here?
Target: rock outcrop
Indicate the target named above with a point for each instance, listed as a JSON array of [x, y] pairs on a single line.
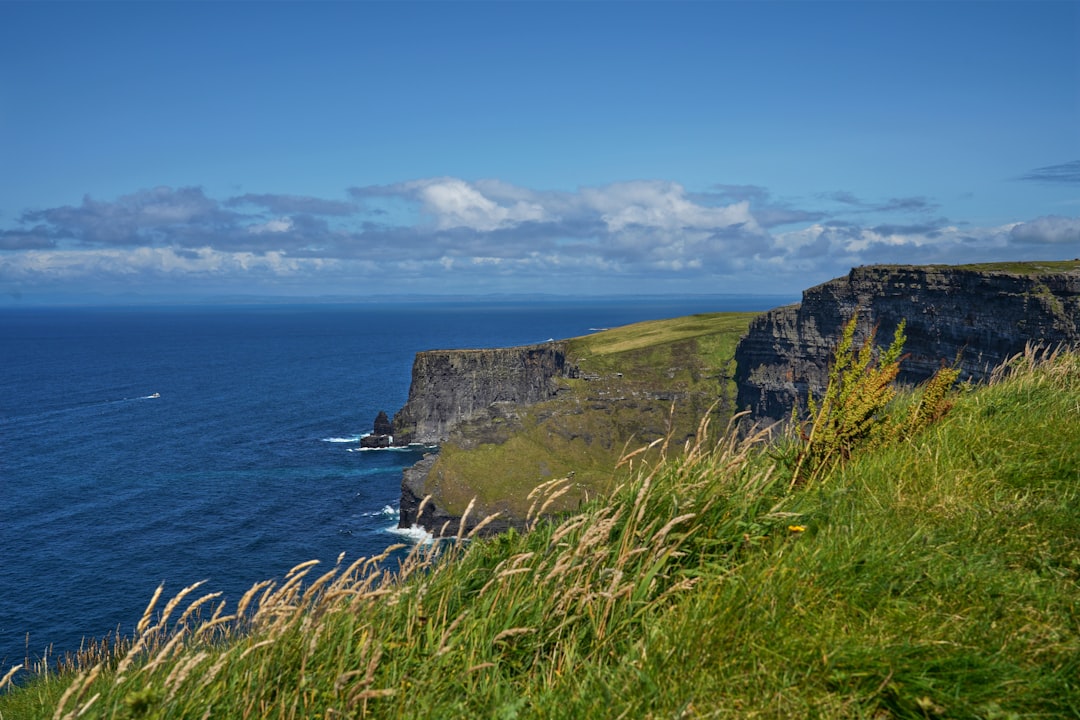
[[382, 435], [508, 420], [452, 386], [981, 316]]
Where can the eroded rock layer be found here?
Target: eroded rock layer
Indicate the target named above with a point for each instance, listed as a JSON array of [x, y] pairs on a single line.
[[451, 386], [981, 316]]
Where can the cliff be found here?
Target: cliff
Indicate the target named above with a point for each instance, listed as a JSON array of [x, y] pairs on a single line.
[[509, 419], [452, 386], [982, 314]]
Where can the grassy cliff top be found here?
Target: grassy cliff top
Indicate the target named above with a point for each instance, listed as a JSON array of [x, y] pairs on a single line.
[[638, 383], [935, 577], [1033, 267], [657, 332]]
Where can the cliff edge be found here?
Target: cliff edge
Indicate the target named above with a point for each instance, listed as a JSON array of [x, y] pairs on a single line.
[[509, 419], [452, 386], [981, 314]]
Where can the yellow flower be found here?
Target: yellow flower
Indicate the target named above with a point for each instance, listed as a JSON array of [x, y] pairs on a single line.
[[797, 528]]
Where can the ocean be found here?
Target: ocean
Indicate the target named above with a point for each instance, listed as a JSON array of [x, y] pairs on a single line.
[[141, 446]]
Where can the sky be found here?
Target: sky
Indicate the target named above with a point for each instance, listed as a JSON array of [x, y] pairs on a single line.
[[163, 151]]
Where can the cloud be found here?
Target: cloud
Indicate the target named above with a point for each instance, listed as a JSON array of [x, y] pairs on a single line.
[[279, 225], [285, 204], [655, 224], [144, 217], [768, 212], [146, 261], [36, 238], [848, 244], [901, 204], [1049, 230], [1064, 173], [930, 229], [455, 235]]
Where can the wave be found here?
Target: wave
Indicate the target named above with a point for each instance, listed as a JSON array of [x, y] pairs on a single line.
[[392, 448], [387, 511], [350, 439], [417, 534]]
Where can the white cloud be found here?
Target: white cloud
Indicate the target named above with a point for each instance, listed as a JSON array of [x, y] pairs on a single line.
[[149, 261], [662, 205], [470, 234], [455, 203], [1049, 230], [271, 226]]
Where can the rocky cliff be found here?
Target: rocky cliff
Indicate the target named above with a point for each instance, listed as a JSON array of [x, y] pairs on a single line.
[[981, 314], [452, 386], [478, 388], [506, 420]]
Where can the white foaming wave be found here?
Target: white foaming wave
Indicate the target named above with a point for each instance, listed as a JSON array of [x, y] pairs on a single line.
[[387, 511], [417, 534], [393, 448], [350, 439]]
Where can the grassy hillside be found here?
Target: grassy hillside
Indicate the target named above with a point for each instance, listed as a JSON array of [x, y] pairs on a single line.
[[639, 382], [937, 576]]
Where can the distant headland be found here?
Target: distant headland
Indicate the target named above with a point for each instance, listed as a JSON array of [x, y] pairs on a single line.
[[508, 419]]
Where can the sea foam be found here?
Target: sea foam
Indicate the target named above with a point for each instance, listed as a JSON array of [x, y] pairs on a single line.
[[417, 534]]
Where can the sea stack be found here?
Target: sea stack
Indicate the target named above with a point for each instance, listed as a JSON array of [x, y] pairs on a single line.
[[383, 434]]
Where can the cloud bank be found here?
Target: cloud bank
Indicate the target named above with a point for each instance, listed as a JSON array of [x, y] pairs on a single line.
[[451, 235], [1064, 173]]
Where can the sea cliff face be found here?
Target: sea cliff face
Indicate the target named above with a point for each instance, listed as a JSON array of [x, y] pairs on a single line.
[[981, 316], [452, 386], [507, 420]]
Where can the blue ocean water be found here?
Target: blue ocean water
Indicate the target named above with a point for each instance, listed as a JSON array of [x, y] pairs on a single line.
[[171, 445]]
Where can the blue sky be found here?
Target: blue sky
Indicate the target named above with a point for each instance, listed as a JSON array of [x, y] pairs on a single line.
[[162, 150]]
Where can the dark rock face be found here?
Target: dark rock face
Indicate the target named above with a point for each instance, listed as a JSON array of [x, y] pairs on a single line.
[[984, 317], [382, 435], [452, 386], [383, 425]]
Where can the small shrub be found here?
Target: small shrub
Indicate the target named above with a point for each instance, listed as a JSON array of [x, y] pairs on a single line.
[[853, 411]]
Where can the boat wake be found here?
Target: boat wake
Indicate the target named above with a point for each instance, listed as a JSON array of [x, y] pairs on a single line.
[[84, 407]]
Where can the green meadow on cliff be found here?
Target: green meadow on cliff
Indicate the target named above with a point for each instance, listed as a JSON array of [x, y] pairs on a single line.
[[926, 565], [636, 383]]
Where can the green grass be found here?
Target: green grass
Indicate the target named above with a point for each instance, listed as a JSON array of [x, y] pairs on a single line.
[[1033, 267], [934, 577], [634, 375], [1026, 268]]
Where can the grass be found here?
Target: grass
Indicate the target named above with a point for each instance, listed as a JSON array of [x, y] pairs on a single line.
[[1026, 268], [639, 382], [934, 577], [1034, 267]]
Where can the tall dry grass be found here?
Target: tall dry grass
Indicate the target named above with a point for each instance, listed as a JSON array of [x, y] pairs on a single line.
[[702, 586], [458, 618]]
